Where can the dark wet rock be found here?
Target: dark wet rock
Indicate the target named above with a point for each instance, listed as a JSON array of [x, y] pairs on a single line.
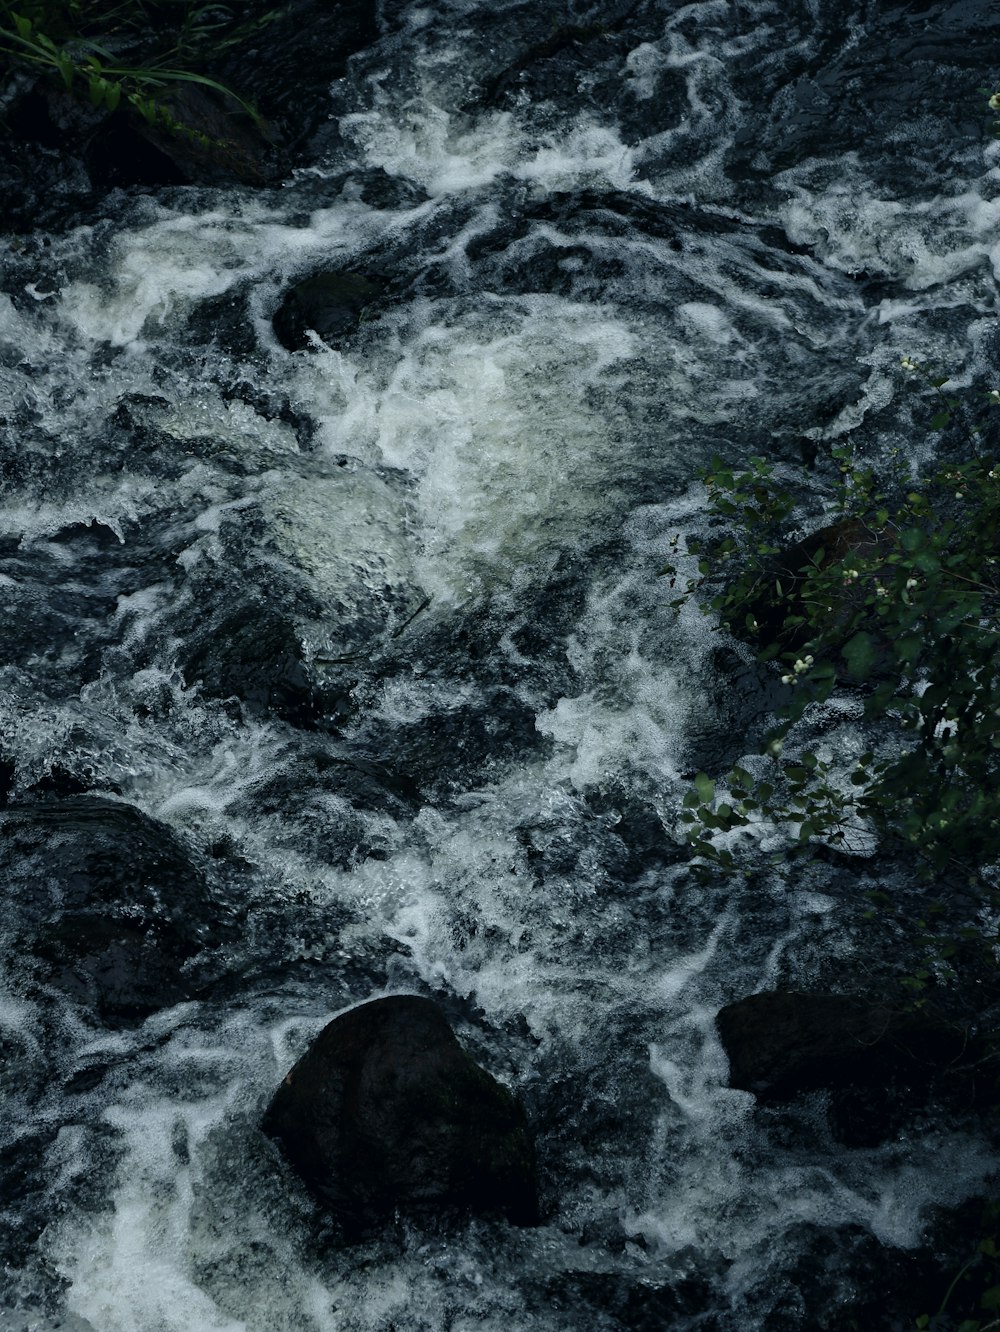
[[617, 1302], [286, 66], [438, 752], [117, 968], [213, 141], [115, 908], [324, 800], [854, 91], [742, 697], [378, 189], [255, 655], [23, 1171], [386, 1113], [570, 61], [53, 626], [58, 621], [843, 1279], [879, 1065], [330, 304]]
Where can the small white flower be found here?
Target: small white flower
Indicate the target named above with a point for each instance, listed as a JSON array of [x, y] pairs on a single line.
[[960, 494], [910, 582], [907, 364], [994, 395], [994, 102], [881, 591], [788, 679], [775, 748]]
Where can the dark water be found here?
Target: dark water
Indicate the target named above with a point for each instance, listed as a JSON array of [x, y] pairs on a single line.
[[346, 671]]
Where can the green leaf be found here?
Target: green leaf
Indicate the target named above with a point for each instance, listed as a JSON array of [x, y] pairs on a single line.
[[705, 787], [940, 420], [67, 69], [860, 655], [23, 25]]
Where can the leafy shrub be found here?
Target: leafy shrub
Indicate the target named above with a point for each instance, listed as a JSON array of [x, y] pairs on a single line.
[[131, 51], [896, 601]]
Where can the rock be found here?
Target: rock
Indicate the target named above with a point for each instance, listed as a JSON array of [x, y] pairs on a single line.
[[255, 654], [115, 909], [330, 304], [285, 64], [386, 1113], [879, 1065], [213, 140]]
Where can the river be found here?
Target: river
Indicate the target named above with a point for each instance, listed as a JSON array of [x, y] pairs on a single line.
[[370, 634]]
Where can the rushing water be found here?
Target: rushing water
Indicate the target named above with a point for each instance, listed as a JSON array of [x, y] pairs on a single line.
[[690, 230]]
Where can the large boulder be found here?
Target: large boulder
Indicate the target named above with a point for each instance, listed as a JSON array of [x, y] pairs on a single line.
[[104, 904], [386, 1113], [879, 1065]]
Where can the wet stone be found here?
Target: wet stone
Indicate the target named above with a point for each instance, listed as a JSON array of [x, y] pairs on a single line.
[[386, 1113], [255, 655], [880, 1066], [329, 304], [615, 1302], [116, 908]]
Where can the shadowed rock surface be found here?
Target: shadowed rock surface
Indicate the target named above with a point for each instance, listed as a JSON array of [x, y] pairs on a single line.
[[387, 1113], [117, 908], [878, 1064], [331, 304]]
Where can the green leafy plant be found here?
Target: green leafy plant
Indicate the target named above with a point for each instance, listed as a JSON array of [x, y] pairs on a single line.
[[975, 1286], [110, 53], [894, 604], [890, 610]]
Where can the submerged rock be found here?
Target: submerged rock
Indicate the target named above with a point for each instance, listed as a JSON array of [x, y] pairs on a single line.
[[386, 1113], [879, 1065], [324, 585]]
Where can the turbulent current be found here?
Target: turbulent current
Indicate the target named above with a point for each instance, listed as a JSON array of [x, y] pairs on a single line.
[[370, 635]]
